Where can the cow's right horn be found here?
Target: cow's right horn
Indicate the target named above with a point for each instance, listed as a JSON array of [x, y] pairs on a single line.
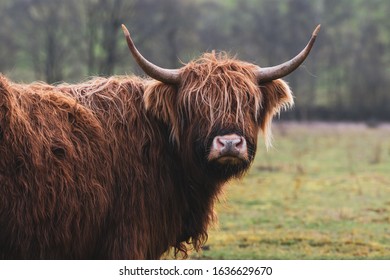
[[168, 76], [268, 74]]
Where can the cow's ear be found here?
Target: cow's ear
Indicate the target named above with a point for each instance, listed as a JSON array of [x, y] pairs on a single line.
[[159, 99], [276, 95]]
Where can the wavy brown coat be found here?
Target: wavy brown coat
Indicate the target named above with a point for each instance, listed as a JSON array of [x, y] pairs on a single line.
[[110, 168]]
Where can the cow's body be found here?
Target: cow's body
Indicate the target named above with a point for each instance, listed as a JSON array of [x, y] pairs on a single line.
[[70, 188], [123, 167]]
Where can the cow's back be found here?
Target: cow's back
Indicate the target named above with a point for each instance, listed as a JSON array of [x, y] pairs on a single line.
[[55, 175]]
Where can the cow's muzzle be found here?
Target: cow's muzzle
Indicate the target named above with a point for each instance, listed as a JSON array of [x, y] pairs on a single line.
[[228, 149]]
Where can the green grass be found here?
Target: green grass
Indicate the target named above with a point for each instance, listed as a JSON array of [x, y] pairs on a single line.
[[322, 192]]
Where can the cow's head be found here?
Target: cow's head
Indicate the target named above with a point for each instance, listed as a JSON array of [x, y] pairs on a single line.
[[215, 106]]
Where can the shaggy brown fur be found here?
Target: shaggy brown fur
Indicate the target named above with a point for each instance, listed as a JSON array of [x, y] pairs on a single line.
[[117, 167]]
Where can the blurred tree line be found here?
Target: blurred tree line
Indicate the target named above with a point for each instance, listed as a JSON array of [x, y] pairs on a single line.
[[346, 77]]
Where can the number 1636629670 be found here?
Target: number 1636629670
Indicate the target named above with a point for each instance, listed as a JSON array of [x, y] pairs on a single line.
[[264, 270]]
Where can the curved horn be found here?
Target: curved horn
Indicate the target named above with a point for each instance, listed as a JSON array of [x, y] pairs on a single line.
[[169, 76], [268, 74]]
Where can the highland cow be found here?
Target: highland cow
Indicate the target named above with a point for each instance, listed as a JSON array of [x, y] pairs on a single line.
[[124, 167]]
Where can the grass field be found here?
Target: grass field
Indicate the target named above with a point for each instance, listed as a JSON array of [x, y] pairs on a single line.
[[322, 192]]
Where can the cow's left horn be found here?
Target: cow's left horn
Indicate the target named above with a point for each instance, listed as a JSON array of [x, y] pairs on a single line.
[[268, 74], [169, 76]]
